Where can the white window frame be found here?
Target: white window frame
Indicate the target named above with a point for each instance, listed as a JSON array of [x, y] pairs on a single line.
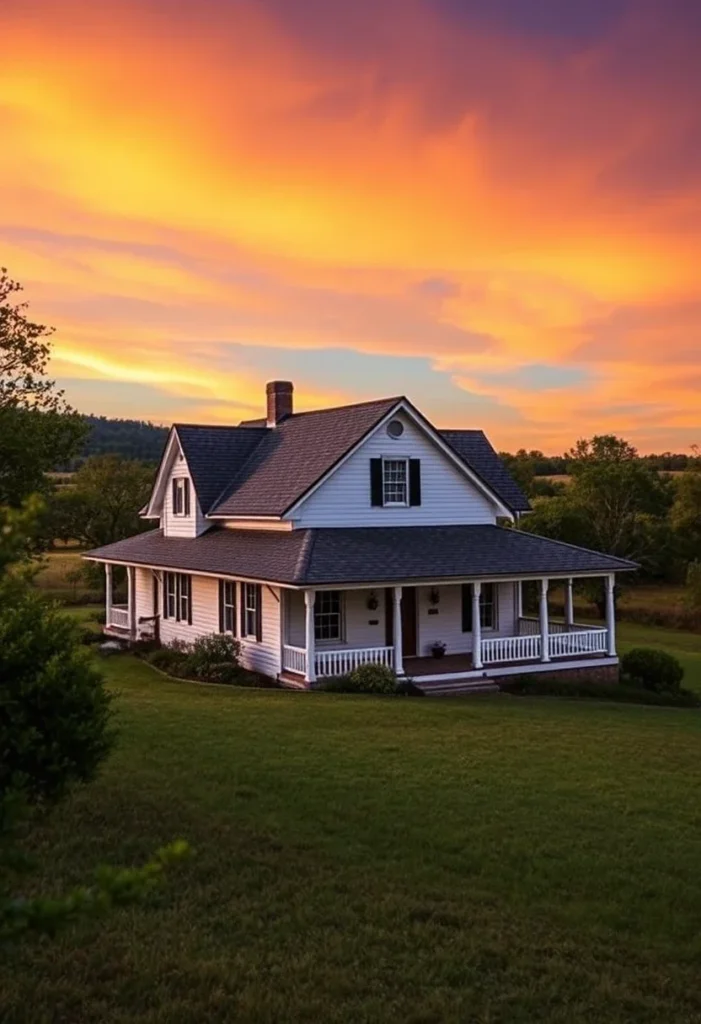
[[181, 495], [229, 606], [184, 597], [340, 615], [171, 602], [250, 608], [386, 460]]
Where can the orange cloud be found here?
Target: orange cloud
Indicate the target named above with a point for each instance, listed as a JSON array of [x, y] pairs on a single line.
[[176, 181]]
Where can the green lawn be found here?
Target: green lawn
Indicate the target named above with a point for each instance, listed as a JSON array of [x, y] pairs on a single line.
[[378, 860]]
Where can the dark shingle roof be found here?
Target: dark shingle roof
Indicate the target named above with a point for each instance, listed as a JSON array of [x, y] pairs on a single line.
[[293, 456], [473, 447], [214, 455], [251, 470], [363, 555]]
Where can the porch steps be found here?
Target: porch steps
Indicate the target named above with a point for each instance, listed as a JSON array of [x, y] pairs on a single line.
[[457, 687]]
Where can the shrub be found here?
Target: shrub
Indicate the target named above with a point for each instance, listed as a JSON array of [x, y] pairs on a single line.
[[652, 670], [168, 659], [374, 679], [210, 650], [54, 709]]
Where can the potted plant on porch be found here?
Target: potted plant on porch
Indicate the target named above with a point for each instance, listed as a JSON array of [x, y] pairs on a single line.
[[438, 649]]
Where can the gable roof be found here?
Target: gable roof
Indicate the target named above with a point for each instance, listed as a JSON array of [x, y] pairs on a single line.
[[357, 555], [477, 452], [214, 455], [251, 470], [294, 455]]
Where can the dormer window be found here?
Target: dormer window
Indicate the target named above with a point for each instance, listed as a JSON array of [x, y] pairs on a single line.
[[181, 496], [395, 482]]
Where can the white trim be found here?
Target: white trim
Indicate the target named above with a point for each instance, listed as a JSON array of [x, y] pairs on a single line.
[[163, 469], [403, 405]]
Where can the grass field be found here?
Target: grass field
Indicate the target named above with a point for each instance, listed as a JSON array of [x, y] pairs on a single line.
[[373, 860]]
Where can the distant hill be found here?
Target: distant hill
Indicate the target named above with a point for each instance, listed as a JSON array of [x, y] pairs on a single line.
[[132, 439]]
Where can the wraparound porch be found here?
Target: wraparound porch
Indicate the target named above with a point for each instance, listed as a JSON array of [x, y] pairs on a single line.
[[498, 636]]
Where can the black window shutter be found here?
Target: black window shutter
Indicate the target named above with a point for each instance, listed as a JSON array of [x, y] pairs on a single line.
[[414, 481], [188, 586], [187, 496], [175, 496], [259, 612], [243, 609], [165, 595], [376, 481], [221, 606], [177, 578], [467, 608], [155, 594]]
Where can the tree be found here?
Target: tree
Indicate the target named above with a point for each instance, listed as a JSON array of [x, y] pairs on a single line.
[[38, 429], [685, 515], [102, 504], [619, 495], [55, 732]]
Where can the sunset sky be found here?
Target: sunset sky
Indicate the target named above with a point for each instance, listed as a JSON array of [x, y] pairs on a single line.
[[492, 207]]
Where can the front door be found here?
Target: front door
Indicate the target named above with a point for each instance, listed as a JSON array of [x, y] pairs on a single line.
[[408, 622]]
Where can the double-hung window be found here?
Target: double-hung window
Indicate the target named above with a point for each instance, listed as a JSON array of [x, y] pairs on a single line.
[[251, 616], [227, 607], [181, 496], [328, 615], [488, 607], [177, 596], [395, 481]]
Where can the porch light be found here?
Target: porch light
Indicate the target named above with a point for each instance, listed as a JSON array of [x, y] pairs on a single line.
[[372, 602], [434, 596]]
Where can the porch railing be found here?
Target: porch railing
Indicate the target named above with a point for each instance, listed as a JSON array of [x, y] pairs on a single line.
[[119, 616], [294, 659], [590, 641], [337, 663], [530, 647], [511, 648]]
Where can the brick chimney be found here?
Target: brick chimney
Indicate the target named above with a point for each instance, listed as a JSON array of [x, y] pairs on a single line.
[[279, 396]]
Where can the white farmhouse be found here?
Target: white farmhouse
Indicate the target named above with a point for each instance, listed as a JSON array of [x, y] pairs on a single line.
[[325, 540]]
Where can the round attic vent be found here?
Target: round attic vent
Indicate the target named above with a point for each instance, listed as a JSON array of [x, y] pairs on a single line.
[[395, 428]]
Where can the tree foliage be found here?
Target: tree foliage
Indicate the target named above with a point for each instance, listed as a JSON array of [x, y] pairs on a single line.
[[38, 429], [103, 502], [55, 732]]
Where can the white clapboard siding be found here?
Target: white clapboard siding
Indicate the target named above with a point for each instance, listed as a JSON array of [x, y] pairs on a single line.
[[447, 495], [261, 657], [181, 526], [363, 627], [446, 623]]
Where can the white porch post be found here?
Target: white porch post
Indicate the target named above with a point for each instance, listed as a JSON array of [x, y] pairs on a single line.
[[397, 632], [476, 626], [519, 599], [569, 603], [108, 593], [610, 616], [309, 599], [131, 600], [544, 623]]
